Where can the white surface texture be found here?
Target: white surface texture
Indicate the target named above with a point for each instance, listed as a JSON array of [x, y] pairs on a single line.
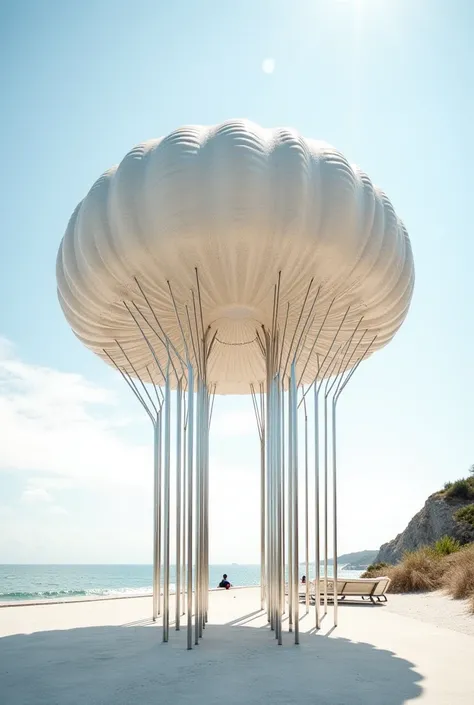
[[240, 203]]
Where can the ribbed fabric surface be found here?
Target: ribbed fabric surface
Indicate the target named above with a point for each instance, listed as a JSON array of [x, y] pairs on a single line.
[[240, 204]]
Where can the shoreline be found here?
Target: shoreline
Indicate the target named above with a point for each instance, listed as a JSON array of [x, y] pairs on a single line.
[[435, 608], [100, 598]]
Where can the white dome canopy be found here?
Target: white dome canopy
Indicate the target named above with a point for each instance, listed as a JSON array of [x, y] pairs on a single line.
[[231, 207]]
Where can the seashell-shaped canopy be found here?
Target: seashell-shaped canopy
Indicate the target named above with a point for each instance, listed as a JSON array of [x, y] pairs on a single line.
[[235, 231]]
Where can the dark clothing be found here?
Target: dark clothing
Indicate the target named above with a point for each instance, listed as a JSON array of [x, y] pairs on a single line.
[[224, 584]]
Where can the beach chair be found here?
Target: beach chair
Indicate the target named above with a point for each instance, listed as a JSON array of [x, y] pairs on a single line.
[[381, 589], [371, 589]]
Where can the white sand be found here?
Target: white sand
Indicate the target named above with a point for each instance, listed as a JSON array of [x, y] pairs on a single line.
[[435, 608], [109, 653]]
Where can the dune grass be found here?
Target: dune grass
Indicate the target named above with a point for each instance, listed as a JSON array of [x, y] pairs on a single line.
[[444, 566], [458, 577]]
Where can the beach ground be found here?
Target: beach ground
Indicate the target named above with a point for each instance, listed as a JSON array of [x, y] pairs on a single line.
[[416, 648]]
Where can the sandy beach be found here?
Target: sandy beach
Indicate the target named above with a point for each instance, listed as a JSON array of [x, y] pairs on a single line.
[[108, 652]]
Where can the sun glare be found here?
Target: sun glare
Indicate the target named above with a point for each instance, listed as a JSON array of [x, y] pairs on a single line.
[[268, 65]]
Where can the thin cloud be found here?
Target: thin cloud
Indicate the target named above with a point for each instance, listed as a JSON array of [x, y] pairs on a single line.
[[35, 495], [63, 437], [61, 426]]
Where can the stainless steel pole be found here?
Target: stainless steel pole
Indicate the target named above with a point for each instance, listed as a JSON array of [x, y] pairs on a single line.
[[156, 584], [280, 511], [190, 473], [184, 518], [283, 486], [294, 413], [317, 557], [290, 508], [263, 578], [325, 505], [205, 433], [179, 393], [271, 511], [197, 583], [268, 467], [204, 575], [306, 507], [160, 510], [334, 499], [262, 520], [166, 556]]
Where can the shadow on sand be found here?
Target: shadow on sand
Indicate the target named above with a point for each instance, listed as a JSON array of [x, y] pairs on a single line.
[[237, 665]]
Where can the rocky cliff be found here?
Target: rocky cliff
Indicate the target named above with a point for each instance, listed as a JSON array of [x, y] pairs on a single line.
[[435, 520]]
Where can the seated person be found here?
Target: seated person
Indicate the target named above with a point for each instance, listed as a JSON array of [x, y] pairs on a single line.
[[224, 583], [303, 580]]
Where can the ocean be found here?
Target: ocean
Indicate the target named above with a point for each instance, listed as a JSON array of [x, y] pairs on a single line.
[[42, 582]]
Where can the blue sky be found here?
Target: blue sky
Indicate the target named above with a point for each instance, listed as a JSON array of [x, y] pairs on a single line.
[[389, 83]]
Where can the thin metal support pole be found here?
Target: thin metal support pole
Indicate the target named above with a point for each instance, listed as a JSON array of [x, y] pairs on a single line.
[[179, 395], [317, 557], [290, 510], [271, 511], [262, 520], [283, 484], [310, 354], [156, 533], [324, 372], [325, 489], [278, 517], [334, 507], [197, 583], [204, 542], [259, 417], [131, 384], [168, 343], [268, 469], [306, 507], [166, 538], [294, 414], [209, 407], [263, 578], [190, 450], [340, 386], [160, 510], [184, 505]]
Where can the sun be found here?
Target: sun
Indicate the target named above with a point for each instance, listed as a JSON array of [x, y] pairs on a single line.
[[268, 65]]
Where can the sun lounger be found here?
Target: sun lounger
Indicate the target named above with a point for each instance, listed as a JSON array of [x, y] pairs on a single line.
[[373, 589]]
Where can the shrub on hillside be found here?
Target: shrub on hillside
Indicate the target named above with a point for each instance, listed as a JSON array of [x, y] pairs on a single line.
[[465, 514], [376, 570], [445, 546], [461, 489]]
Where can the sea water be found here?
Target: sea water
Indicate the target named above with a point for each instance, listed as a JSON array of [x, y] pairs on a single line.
[[42, 582]]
